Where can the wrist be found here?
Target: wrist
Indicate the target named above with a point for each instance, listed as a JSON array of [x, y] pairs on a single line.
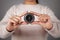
[[9, 30]]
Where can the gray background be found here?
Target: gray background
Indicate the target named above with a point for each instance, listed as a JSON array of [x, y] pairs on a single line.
[[53, 4]]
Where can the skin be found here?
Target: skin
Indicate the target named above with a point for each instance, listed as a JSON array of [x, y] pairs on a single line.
[[43, 20], [30, 2], [15, 21]]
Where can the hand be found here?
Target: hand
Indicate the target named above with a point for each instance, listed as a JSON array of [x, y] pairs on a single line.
[[14, 22], [44, 20]]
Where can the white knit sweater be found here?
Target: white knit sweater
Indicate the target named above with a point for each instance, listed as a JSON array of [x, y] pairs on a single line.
[[29, 32]]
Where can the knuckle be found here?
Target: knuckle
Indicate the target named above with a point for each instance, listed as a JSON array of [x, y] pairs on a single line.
[[13, 21], [18, 18]]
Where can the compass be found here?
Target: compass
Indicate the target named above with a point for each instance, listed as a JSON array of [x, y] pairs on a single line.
[[29, 18]]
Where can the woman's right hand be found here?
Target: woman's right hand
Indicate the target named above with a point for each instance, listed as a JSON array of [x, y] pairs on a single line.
[[14, 22]]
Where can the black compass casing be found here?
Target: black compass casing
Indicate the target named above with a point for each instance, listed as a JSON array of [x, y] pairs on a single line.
[[29, 18]]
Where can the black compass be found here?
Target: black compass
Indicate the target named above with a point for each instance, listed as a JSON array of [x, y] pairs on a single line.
[[29, 18]]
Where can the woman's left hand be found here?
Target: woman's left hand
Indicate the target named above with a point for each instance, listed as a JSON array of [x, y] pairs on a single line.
[[44, 20]]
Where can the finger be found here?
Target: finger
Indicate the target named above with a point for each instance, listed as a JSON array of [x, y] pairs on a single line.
[[24, 13], [34, 13], [20, 21], [44, 20], [23, 23], [17, 17], [45, 15], [16, 20], [12, 22]]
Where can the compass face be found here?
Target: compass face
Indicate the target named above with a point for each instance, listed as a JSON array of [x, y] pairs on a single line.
[[29, 17]]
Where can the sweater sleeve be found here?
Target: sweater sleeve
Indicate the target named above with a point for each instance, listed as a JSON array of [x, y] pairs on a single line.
[[55, 31], [3, 23]]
